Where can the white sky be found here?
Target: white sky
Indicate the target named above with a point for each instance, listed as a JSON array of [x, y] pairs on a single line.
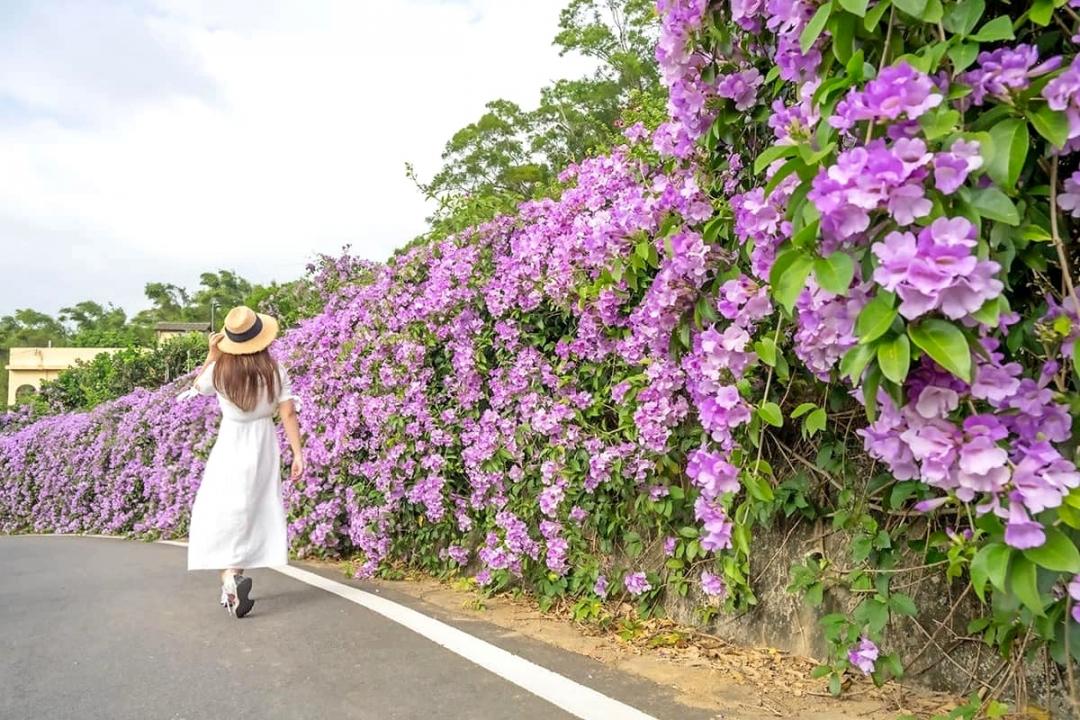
[[150, 140]]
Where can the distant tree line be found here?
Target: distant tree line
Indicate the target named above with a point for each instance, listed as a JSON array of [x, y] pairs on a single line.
[[140, 362]]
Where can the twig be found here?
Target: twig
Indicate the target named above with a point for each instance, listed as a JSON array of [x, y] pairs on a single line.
[[1066, 274]]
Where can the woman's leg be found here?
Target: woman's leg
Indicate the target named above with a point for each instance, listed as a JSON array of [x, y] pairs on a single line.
[[226, 575]]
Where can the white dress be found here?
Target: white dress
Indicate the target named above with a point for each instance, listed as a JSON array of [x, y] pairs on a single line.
[[238, 518]]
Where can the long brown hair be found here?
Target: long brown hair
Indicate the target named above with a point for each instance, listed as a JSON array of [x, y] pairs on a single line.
[[242, 378]]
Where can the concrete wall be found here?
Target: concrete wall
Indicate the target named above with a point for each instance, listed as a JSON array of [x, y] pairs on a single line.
[[31, 366]]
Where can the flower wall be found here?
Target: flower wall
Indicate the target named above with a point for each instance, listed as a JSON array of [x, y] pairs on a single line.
[[834, 286]]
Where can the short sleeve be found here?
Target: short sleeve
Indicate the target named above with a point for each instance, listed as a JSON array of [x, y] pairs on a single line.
[[204, 384], [285, 392]]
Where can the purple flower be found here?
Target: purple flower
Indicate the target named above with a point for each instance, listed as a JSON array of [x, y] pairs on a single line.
[[952, 168], [600, 586], [1021, 532], [716, 526], [1069, 200], [1063, 94], [713, 585], [864, 655], [669, 546], [741, 87], [636, 583]]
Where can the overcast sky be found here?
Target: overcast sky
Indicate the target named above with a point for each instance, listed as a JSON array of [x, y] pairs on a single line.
[[147, 140]]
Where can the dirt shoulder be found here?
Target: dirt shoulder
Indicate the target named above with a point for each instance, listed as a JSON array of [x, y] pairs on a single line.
[[735, 682]]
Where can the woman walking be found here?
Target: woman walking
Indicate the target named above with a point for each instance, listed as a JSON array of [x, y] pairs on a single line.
[[238, 519]]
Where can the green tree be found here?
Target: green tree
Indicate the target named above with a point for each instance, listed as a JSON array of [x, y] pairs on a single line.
[[224, 289], [94, 325], [510, 154]]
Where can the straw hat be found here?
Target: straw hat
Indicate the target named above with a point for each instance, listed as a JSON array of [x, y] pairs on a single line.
[[247, 332]]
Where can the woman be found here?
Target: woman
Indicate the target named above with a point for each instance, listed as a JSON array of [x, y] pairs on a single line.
[[238, 519]]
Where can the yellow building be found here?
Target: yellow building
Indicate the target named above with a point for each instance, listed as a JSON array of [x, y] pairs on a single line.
[[28, 367], [168, 330]]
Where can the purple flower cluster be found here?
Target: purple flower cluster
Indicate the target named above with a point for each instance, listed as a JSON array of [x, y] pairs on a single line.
[[898, 92], [1002, 457], [879, 176], [1006, 70], [636, 583], [936, 271], [681, 66]]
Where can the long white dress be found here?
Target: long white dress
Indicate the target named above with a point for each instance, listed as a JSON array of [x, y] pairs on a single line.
[[238, 519]]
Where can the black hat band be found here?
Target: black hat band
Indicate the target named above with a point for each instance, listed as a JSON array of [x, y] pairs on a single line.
[[250, 334]]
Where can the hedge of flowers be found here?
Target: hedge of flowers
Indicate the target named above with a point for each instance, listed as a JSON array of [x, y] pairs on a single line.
[[852, 235]]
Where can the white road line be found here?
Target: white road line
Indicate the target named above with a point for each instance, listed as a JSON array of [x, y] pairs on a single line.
[[559, 690]]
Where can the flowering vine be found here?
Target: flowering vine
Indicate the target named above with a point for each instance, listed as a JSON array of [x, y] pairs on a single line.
[[854, 210]]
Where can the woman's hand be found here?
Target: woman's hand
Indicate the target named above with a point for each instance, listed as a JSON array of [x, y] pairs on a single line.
[[215, 351], [297, 466]]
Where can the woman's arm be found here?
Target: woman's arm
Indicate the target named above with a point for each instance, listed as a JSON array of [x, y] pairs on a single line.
[[212, 356], [287, 410]]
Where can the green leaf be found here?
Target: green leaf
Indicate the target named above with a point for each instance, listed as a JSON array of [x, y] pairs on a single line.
[[903, 604], [939, 123], [1058, 553], [945, 343], [876, 318], [1009, 143], [1051, 124], [842, 28], [873, 17], [788, 279], [689, 532], [994, 204], [770, 413], [771, 154], [813, 28], [989, 313], [979, 568], [914, 8], [855, 7], [815, 422], [1000, 28], [802, 410], [933, 13], [758, 487], [1041, 12], [834, 273], [962, 17], [894, 358], [1023, 583], [990, 563], [962, 55], [854, 362], [766, 350]]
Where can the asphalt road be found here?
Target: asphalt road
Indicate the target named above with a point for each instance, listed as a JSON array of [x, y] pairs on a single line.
[[97, 628]]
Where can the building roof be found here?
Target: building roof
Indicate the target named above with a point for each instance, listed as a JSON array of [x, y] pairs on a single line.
[[182, 327]]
